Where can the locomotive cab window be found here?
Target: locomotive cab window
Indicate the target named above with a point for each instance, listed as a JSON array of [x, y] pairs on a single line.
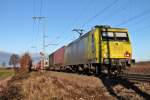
[[115, 36], [108, 36], [120, 36]]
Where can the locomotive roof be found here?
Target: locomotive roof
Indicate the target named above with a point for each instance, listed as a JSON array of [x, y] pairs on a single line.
[[108, 27], [103, 27], [80, 37]]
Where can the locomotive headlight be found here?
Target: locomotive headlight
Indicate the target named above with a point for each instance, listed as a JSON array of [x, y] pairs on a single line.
[[127, 54], [105, 55], [106, 61]]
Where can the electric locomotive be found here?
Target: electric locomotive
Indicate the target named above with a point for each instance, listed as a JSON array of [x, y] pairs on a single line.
[[103, 48]]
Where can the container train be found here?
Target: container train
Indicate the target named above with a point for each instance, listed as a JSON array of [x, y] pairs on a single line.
[[102, 49]]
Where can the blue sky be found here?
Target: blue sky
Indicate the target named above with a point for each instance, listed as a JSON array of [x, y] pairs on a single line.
[[18, 31]]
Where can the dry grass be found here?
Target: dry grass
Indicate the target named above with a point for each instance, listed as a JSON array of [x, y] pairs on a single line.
[[62, 86], [55, 86], [13, 90], [5, 76], [141, 67]]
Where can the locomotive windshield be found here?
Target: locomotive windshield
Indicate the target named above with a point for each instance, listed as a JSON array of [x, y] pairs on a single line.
[[115, 36]]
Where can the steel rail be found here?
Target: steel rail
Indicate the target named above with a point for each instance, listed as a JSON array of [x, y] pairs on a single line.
[[136, 77]]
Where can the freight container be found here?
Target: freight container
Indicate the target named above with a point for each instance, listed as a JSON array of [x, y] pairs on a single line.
[[51, 60], [59, 57]]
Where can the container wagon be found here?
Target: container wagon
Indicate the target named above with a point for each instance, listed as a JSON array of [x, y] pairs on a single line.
[[56, 59]]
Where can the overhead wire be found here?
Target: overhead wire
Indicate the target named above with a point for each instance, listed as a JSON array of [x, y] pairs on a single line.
[[33, 21], [41, 7], [144, 19], [134, 17], [37, 22], [116, 12], [141, 28], [42, 14], [100, 12], [139, 20], [130, 19], [142, 25], [82, 12], [33, 26], [76, 19]]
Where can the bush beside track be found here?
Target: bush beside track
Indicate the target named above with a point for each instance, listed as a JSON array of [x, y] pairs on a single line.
[[141, 67]]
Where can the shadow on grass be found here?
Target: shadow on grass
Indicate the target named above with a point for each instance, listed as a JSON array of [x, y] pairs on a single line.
[[110, 82]]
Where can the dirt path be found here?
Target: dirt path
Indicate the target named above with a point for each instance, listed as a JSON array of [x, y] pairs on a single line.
[[3, 82]]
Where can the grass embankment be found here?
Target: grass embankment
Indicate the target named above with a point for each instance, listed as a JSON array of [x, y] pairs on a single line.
[[55, 86], [5, 76], [4, 73], [62, 86]]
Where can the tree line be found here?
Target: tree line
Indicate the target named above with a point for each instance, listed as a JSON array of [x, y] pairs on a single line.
[[24, 62]]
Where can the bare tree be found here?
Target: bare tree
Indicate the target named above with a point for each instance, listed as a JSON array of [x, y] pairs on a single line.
[[26, 62], [14, 60]]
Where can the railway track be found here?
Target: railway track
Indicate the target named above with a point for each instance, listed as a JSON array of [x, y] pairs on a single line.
[[136, 77]]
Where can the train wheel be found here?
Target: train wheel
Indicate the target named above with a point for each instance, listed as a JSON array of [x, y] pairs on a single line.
[[114, 72], [80, 69]]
